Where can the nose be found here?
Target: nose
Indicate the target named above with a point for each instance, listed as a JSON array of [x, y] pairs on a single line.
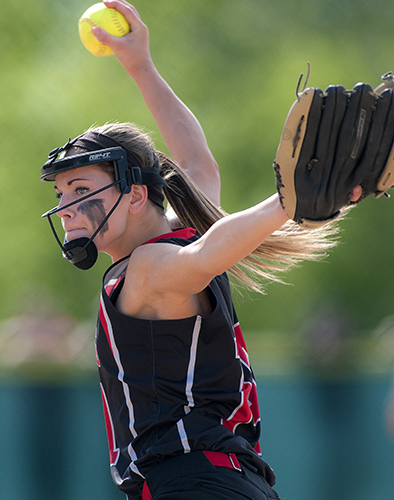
[[65, 210]]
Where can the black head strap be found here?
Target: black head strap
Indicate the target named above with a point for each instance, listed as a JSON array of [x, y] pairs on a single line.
[[102, 148]]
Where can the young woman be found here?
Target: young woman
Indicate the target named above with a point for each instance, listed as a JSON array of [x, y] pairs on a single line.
[[179, 396]]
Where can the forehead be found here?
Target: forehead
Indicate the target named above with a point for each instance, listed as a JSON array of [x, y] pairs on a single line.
[[91, 173]]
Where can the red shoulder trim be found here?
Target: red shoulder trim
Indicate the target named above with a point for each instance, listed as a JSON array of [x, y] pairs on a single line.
[[184, 233]]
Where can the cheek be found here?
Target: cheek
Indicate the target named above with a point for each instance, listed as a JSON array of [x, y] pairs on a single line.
[[94, 211]]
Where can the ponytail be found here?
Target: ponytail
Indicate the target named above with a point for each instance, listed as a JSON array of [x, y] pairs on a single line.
[[281, 251]]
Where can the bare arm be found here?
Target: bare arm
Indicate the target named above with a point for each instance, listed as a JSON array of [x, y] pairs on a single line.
[[226, 243], [179, 127], [161, 269]]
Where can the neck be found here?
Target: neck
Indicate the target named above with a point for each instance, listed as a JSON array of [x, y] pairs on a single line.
[[141, 230]]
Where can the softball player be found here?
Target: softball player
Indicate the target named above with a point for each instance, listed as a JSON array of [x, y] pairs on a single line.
[[179, 397]]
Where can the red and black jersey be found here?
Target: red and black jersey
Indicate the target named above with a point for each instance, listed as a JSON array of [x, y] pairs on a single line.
[[174, 386]]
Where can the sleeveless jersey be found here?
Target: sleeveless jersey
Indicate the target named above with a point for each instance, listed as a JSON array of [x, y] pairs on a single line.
[[174, 386]]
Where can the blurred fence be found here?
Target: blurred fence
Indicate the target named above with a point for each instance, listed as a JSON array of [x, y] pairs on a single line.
[[325, 439]]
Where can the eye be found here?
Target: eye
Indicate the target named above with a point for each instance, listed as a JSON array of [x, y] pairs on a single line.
[[81, 190]]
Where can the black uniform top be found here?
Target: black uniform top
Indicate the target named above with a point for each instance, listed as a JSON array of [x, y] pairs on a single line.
[[173, 386]]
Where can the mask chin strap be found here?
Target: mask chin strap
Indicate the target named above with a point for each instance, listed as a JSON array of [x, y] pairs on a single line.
[[82, 252]]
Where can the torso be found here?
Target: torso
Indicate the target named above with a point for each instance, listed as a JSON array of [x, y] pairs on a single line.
[[171, 386]]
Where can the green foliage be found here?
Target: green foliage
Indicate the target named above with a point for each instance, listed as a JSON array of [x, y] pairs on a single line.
[[236, 64]]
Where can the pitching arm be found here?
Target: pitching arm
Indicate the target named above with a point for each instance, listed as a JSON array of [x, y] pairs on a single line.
[[179, 127]]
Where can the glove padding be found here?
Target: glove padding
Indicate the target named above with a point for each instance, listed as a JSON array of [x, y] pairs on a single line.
[[332, 142]]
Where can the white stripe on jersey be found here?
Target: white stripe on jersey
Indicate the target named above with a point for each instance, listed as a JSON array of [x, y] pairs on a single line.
[[192, 365], [126, 390], [111, 282], [183, 436]]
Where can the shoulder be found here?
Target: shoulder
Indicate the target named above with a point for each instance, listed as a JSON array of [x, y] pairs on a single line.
[[151, 255], [147, 258], [146, 281], [164, 278]]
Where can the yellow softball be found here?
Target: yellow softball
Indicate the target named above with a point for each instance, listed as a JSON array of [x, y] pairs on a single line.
[[101, 16]]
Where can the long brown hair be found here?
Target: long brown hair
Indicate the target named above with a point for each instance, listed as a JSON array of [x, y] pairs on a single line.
[[282, 250]]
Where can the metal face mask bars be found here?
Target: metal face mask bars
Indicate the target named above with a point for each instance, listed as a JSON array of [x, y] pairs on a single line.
[[82, 252]]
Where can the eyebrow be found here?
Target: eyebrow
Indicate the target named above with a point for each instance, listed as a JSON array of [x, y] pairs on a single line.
[[73, 180]]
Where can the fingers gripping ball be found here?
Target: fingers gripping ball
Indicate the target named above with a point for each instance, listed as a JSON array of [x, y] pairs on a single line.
[[101, 16], [332, 142]]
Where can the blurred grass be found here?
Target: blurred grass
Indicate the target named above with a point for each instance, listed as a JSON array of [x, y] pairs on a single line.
[[236, 64]]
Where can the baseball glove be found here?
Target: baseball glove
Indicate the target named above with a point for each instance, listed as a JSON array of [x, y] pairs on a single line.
[[332, 142]]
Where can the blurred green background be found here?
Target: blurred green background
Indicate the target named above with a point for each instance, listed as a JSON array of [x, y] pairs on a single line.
[[236, 65]]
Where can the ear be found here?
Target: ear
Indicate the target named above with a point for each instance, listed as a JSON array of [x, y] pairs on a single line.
[[137, 198]]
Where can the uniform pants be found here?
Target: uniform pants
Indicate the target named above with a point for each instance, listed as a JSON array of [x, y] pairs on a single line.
[[193, 477]]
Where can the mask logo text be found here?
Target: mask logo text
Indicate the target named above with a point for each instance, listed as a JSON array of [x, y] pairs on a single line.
[[99, 156]]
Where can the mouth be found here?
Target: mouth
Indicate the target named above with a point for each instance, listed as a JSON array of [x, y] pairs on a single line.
[[72, 234]]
